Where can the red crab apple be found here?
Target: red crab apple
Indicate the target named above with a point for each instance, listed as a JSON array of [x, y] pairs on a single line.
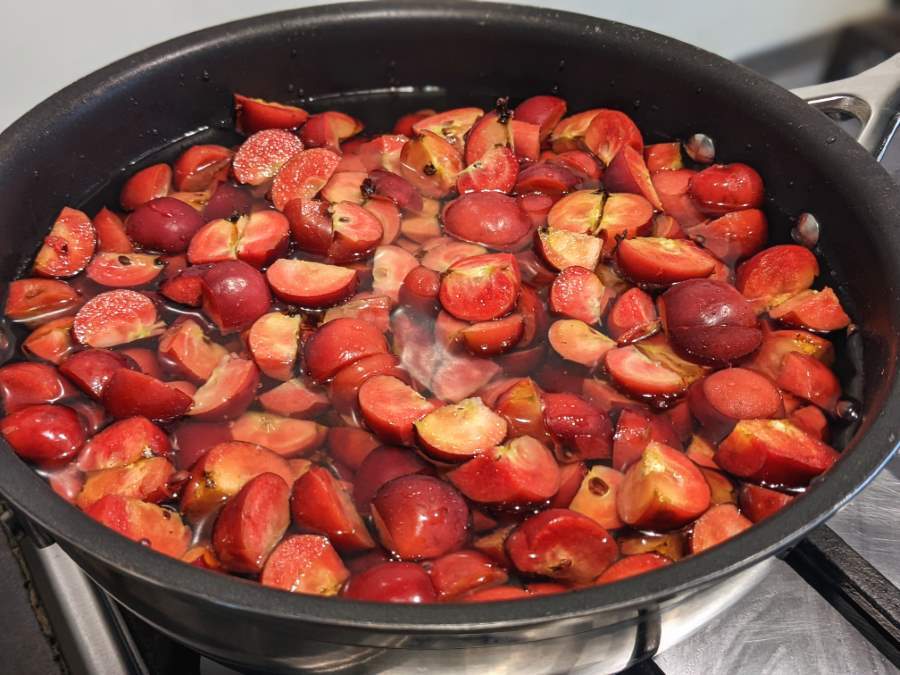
[[164, 224], [403, 582], [488, 218], [48, 435], [721, 188], [235, 295], [481, 288], [320, 504], [305, 563], [254, 114], [69, 246], [339, 343], [161, 529], [458, 431], [149, 183]]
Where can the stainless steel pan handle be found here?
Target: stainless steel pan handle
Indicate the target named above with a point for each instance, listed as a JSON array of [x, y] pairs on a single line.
[[871, 97]]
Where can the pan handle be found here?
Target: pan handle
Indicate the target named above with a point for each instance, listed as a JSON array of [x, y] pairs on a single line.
[[871, 97]]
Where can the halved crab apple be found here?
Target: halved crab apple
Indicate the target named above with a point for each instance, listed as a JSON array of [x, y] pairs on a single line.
[[776, 344], [91, 369], [223, 471], [311, 284], [576, 341], [261, 156], [534, 315], [536, 207], [663, 157], [124, 270], [546, 178], [146, 479], [443, 254], [609, 132], [394, 188], [198, 166], [495, 171], [402, 582], [569, 131], [720, 523], [195, 439], [46, 434], [328, 129], [456, 574], [320, 504], [129, 393], [582, 164], [274, 341], [390, 266], [578, 212], [431, 164], [149, 183], [562, 544], [522, 406], [673, 190], [814, 310], [69, 246], [23, 384], [115, 318], [51, 342], [632, 317], [122, 443], [725, 397], [758, 503], [632, 565], [562, 249], [419, 290], [419, 229], [640, 375], [305, 563], [235, 295], [294, 398], [628, 173], [381, 152], [577, 293], [721, 188], [522, 471], [375, 309], [356, 232], [339, 343], [161, 529], [776, 274], [543, 111], [663, 490], [709, 321], [625, 216], [659, 349], [489, 338], [453, 125], [255, 114], [482, 287], [774, 451], [596, 496], [733, 236], [654, 260], [303, 175], [457, 432], [492, 219], [228, 392], [383, 464], [579, 431], [390, 408], [251, 523], [110, 231], [420, 517], [284, 436], [605, 397], [570, 477], [36, 301], [667, 227], [186, 287]]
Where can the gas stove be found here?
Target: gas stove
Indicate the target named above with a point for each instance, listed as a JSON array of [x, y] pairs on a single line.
[[831, 605]]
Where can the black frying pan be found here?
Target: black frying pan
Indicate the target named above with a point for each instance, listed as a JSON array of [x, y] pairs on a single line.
[[375, 60]]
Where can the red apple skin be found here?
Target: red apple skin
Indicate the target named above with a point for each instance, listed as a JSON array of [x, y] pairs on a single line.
[[146, 479], [457, 574], [403, 582], [721, 188], [165, 224], [720, 523], [48, 435], [710, 322], [24, 384], [758, 503], [228, 392], [492, 219], [339, 343], [381, 465], [251, 523], [632, 317], [722, 399], [582, 431], [149, 183], [235, 295], [420, 517], [631, 566], [35, 301], [129, 393], [390, 408], [776, 274], [122, 443], [321, 505], [255, 114], [562, 545], [160, 528]]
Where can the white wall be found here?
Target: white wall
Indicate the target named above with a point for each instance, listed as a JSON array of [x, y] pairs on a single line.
[[45, 44]]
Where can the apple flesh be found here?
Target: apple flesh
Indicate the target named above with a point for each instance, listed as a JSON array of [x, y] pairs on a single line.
[[459, 431]]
